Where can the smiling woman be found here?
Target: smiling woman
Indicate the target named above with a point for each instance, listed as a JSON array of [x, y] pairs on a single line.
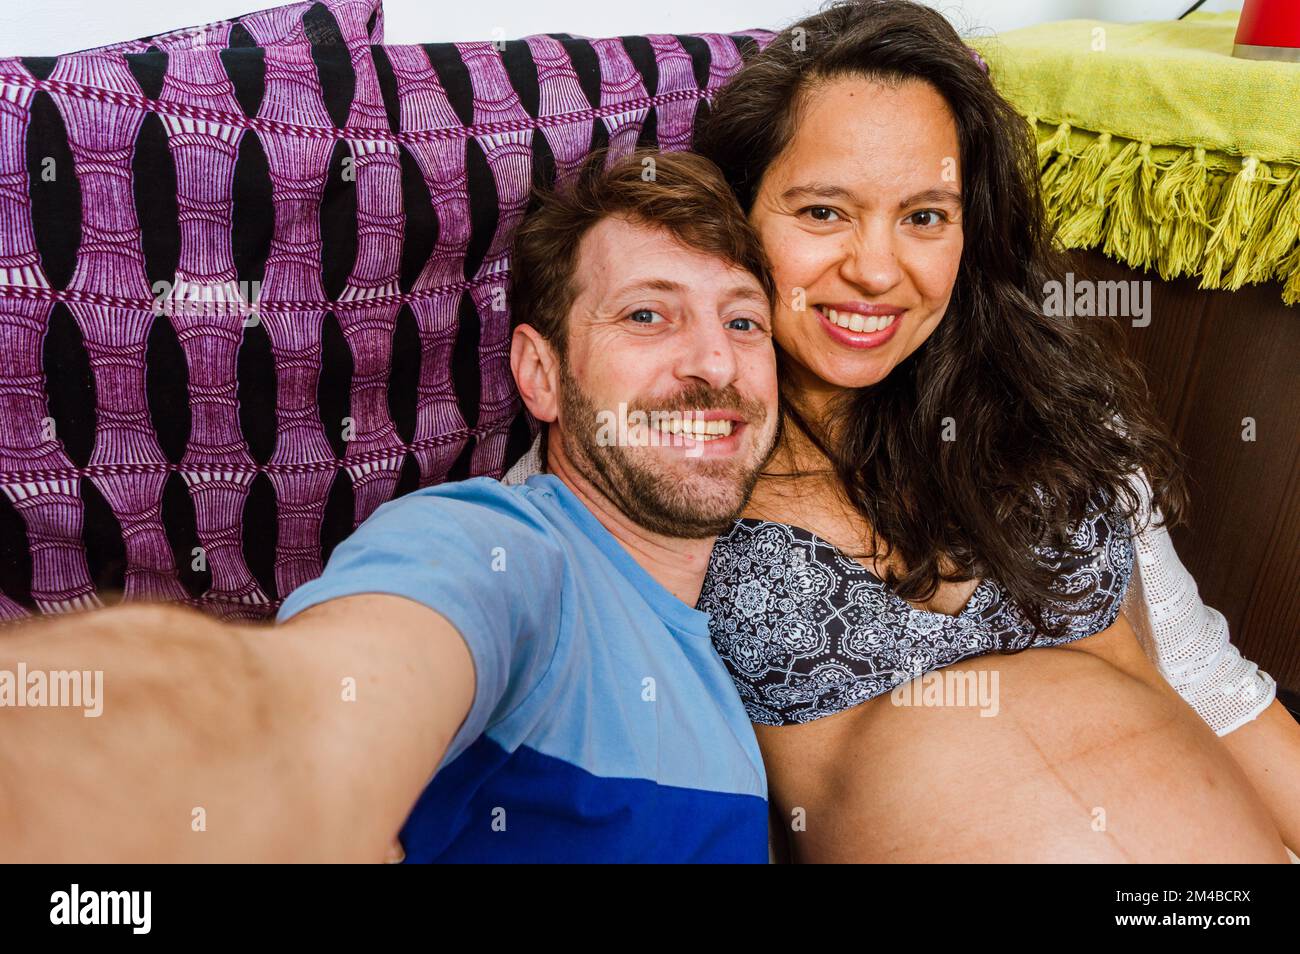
[[962, 483], [888, 225]]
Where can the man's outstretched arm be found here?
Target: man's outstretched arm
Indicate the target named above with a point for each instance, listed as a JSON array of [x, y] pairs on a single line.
[[307, 741]]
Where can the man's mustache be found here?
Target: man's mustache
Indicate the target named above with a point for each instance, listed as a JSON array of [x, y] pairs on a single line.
[[704, 398]]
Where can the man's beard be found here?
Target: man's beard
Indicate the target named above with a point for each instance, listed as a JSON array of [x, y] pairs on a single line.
[[699, 498]]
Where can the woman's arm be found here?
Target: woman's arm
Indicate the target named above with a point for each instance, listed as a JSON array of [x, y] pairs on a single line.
[[1268, 751], [1188, 642]]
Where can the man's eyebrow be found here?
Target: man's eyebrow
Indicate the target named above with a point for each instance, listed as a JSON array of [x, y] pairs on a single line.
[[732, 293], [649, 284], [668, 285], [745, 291]]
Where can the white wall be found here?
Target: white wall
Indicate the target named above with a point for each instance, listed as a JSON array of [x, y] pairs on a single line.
[[55, 26]]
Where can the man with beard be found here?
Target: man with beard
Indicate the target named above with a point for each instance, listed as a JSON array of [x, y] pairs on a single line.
[[499, 673]]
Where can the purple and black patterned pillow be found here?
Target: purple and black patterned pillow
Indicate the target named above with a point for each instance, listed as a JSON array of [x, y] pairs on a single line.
[[55, 202], [249, 294], [318, 23]]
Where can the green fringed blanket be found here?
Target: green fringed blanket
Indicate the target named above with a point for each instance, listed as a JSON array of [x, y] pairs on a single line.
[[1160, 148]]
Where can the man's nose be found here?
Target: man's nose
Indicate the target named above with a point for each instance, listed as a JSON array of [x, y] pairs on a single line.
[[708, 353]]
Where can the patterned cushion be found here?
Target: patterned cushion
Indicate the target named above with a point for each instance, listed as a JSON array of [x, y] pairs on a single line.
[[332, 21], [249, 294]]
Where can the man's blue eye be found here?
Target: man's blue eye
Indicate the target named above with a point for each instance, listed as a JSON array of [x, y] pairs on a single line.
[[644, 316], [749, 322]]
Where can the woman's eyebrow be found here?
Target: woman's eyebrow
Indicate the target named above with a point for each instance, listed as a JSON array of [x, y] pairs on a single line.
[[817, 190], [932, 195]]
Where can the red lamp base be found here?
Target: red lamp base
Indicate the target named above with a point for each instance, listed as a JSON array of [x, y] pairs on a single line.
[[1269, 30]]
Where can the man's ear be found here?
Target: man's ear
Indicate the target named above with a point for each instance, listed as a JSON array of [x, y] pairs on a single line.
[[536, 370]]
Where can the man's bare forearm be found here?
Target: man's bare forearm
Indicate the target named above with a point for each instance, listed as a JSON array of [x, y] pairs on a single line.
[[193, 754]]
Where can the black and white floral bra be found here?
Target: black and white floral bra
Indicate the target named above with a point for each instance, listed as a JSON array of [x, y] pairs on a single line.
[[807, 631]]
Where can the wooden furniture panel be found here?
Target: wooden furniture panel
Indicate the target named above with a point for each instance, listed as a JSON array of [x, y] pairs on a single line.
[[1212, 359]]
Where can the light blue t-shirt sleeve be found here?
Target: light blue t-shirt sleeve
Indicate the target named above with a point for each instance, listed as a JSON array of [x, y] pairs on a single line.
[[479, 554]]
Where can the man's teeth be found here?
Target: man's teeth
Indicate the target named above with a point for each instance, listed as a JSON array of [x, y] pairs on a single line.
[[854, 322], [696, 429]]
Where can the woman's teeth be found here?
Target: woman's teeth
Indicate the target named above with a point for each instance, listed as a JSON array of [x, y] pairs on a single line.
[[854, 322], [696, 430]]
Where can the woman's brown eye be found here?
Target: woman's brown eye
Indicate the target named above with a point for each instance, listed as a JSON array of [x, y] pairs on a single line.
[[819, 213]]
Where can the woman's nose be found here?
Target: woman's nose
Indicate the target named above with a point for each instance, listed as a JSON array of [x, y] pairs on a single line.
[[871, 260]]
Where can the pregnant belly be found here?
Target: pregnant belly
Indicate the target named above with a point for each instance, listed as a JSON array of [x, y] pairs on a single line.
[[1068, 754]]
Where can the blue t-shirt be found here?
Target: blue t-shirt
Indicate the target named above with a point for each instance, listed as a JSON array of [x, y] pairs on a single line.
[[604, 726]]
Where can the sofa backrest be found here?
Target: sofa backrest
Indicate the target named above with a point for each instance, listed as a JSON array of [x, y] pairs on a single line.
[[249, 294]]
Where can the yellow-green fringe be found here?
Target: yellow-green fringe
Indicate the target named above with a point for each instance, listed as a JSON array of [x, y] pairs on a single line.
[[1230, 220]]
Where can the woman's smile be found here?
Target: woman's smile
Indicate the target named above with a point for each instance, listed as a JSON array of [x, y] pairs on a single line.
[[856, 329]]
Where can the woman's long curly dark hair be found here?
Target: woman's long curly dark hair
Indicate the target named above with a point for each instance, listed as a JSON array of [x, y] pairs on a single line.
[[1036, 398]]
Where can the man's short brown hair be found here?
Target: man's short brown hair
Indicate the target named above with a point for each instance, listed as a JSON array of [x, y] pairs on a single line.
[[686, 195]]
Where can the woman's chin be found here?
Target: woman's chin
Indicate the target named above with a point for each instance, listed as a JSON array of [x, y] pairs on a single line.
[[850, 376]]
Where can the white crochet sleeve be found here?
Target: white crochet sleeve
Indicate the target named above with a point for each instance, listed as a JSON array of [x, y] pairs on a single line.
[[528, 465], [1189, 640]]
